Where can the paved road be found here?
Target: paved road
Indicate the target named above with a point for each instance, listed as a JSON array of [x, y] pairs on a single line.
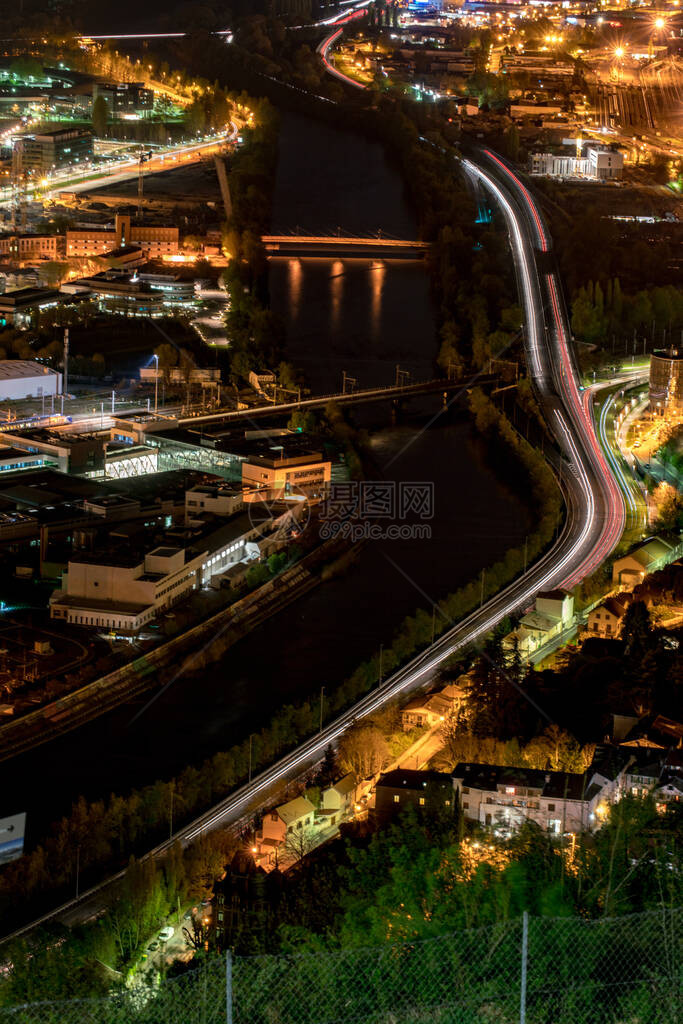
[[94, 178]]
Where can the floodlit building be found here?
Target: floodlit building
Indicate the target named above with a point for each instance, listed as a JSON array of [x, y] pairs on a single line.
[[285, 472], [432, 708], [39, 154], [285, 820], [549, 619], [666, 381], [23, 378], [124, 588], [336, 802], [154, 241], [600, 163], [123, 591]]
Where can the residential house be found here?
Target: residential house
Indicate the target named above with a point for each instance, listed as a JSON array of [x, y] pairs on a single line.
[[338, 799], [426, 791], [635, 771], [431, 708], [551, 616], [503, 797], [652, 554], [669, 791], [606, 620], [285, 820]]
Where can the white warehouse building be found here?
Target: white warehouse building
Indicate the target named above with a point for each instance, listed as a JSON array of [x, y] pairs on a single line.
[[600, 163], [23, 378], [124, 590]]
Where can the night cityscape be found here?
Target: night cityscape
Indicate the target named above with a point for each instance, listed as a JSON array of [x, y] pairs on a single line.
[[341, 512]]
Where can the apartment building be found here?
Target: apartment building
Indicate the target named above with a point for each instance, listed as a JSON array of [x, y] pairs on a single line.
[[505, 798], [22, 248]]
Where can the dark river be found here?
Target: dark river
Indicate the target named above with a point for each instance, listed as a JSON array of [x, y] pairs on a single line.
[[364, 319]]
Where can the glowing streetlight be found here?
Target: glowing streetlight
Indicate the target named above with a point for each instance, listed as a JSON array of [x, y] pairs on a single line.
[[619, 52], [156, 384], [660, 22]]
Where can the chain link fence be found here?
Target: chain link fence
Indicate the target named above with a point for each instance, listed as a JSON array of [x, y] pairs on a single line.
[[626, 970]]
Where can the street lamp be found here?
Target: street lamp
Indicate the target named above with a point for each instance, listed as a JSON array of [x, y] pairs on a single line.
[[156, 385]]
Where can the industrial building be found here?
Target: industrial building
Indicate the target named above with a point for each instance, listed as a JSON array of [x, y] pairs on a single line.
[[41, 153], [19, 308], [23, 378], [666, 381], [126, 587], [282, 471], [70, 453], [601, 163]]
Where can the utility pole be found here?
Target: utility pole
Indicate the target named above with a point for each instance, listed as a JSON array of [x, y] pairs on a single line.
[[113, 401]]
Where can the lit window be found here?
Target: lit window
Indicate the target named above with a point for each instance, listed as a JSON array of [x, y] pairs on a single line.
[[396, 798], [422, 801], [509, 789]]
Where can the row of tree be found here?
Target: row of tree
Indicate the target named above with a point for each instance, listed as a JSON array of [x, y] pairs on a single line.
[[603, 311], [256, 333]]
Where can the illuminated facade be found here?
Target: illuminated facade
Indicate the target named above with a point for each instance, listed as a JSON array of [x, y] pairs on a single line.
[[666, 381], [19, 248], [39, 154], [152, 240]]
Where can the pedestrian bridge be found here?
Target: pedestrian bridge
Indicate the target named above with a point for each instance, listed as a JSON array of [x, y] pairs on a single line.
[[336, 246]]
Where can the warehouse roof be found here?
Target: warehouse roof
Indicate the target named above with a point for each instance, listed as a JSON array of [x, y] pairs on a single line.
[[13, 369]]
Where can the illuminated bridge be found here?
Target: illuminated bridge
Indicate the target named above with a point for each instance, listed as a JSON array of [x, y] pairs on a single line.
[[335, 246]]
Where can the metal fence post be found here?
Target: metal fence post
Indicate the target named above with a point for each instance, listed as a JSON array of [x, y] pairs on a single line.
[[228, 986], [525, 952]]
